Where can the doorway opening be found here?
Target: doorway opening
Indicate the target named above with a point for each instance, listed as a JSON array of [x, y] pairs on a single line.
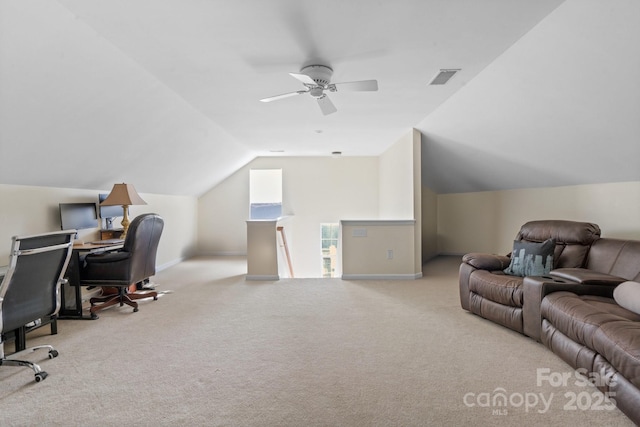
[[329, 248]]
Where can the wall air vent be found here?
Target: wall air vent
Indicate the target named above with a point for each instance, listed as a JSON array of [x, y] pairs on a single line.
[[444, 76]]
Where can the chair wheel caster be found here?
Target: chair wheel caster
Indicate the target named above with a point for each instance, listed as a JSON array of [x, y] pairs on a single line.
[[94, 316], [155, 298], [53, 353], [135, 309], [40, 376]]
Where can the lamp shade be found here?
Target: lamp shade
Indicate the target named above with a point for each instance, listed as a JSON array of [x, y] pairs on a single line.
[[123, 195]]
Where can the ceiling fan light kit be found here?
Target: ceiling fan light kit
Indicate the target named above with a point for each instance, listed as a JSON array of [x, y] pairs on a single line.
[[317, 80]]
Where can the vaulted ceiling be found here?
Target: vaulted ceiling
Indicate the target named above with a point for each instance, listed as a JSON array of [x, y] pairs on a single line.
[[165, 93]]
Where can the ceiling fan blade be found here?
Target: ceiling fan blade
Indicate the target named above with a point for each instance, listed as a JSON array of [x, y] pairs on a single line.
[[362, 85], [284, 95], [303, 78], [326, 105]]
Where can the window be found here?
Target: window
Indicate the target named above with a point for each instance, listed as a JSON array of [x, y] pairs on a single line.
[[265, 193], [329, 239]]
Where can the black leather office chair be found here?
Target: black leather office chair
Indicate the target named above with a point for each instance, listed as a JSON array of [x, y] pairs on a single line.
[[134, 263], [30, 289]]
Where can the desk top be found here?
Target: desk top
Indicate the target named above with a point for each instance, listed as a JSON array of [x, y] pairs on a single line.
[[91, 246]]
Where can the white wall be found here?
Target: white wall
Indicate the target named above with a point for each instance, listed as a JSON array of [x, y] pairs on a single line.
[[29, 210], [396, 180], [489, 221], [315, 190], [382, 249], [401, 186], [429, 224]]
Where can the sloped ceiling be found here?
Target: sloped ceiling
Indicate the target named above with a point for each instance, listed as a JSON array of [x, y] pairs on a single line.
[[559, 107], [164, 93]]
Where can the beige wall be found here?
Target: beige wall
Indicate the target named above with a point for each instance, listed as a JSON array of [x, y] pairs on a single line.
[[400, 186], [319, 190], [315, 190], [396, 180], [429, 224], [29, 210], [382, 249], [488, 221]]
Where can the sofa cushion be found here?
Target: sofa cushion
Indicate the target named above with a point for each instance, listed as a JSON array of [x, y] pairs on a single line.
[[616, 257], [531, 258], [627, 295], [580, 316], [573, 239], [619, 343], [573, 232], [497, 287]]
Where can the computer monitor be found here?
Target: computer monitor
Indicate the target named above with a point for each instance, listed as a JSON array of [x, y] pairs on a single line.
[[78, 216], [109, 211]]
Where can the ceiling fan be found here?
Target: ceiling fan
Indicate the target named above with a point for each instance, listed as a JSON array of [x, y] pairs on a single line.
[[317, 81]]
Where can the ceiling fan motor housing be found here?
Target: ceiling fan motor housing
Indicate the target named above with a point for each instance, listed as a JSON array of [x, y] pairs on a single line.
[[321, 74]]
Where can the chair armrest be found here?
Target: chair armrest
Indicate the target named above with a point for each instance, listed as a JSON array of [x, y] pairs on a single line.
[[586, 276], [107, 268], [484, 261], [106, 257], [536, 288]]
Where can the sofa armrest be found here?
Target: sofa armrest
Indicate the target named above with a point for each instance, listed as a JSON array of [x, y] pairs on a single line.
[[477, 261], [536, 288], [586, 276], [483, 261]]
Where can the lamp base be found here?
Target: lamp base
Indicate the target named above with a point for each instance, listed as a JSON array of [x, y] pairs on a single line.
[[125, 221]]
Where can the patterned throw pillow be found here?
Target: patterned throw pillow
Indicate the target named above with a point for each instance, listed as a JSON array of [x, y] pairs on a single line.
[[531, 259]]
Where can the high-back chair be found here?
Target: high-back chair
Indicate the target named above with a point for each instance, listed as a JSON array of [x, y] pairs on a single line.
[[30, 288], [134, 263]]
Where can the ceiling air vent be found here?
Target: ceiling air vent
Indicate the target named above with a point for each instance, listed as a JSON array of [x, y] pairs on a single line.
[[444, 76]]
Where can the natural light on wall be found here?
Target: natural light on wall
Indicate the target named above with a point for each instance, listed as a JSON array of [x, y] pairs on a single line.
[[265, 193], [329, 239]]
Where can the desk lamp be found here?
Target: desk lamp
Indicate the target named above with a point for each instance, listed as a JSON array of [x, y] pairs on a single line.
[[123, 195]]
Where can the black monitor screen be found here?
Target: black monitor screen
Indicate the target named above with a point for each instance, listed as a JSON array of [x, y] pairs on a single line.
[[78, 216], [109, 211]]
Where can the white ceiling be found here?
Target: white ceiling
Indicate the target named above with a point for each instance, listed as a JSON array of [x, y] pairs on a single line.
[[164, 93]]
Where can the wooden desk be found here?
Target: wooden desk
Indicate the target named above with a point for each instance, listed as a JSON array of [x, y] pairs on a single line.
[[71, 293], [112, 233]]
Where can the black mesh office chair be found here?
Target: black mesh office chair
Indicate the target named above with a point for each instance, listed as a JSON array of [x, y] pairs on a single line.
[[134, 263], [30, 289]]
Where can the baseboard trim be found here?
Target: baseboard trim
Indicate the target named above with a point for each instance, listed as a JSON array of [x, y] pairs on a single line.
[[169, 264], [382, 276], [222, 253], [263, 278]]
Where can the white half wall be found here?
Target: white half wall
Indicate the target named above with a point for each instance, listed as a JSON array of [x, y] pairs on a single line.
[[380, 249]]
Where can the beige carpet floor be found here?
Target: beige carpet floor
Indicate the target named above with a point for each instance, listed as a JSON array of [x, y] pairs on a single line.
[[216, 350]]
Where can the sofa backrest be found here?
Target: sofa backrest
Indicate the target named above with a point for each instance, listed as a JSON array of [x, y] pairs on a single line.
[[616, 257], [573, 239]]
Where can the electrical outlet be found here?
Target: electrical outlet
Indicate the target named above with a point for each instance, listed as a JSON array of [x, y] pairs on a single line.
[[389, 253]]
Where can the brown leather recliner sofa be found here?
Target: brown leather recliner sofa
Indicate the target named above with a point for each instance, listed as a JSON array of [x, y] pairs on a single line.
[[571, 310], [486, 291], [574, 314]]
